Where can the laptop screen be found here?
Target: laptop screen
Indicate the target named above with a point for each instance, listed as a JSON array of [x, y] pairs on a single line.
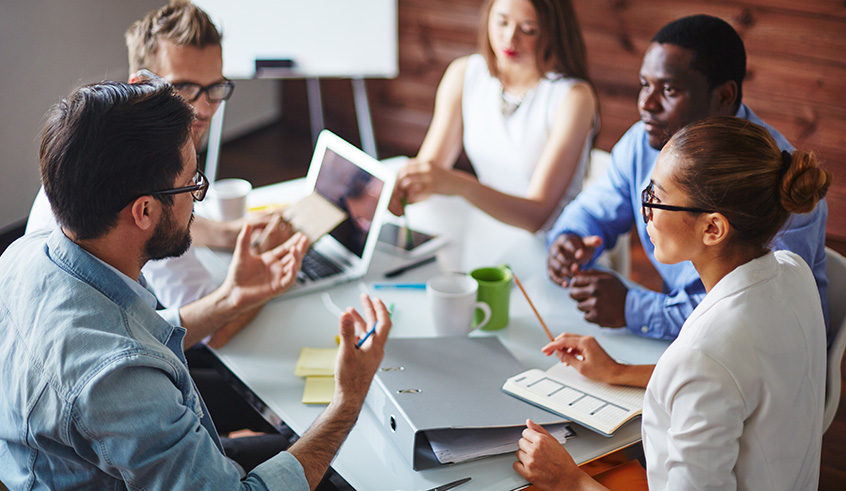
[[356, 192]]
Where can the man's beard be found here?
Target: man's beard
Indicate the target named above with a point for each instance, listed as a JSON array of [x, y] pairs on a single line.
[[167, 239]]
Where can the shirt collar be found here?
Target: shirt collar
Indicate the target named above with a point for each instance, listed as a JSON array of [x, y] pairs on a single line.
[[742, 112], [130, 295], [741, 278], [139, 287]]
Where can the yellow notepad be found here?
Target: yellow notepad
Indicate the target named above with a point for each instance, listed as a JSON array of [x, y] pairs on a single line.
[[316, 362], [318, 390]]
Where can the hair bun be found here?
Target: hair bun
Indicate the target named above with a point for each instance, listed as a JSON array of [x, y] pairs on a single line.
[[804, 183]]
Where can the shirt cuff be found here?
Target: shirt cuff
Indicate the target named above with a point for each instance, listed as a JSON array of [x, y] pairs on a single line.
[[282, 471], [638, 305], [171, 316]]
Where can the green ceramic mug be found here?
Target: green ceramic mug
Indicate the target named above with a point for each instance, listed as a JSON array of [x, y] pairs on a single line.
[[494, 290]]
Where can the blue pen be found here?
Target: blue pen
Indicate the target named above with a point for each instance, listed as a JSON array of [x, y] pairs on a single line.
[[369, 333], [408, 286], [373, 329]]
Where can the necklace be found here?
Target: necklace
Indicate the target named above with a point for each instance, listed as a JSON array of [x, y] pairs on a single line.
[[508, 103]]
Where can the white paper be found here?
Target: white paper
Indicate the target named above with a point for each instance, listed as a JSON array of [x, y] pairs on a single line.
[[314, 216], [453, 446]]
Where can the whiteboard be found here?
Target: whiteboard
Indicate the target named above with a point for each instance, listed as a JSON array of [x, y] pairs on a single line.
[[323, 38]]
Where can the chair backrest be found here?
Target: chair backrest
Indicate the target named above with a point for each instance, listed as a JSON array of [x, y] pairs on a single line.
[[618, 258], [835, 268]]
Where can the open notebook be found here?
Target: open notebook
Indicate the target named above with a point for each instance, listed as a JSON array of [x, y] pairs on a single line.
[[564, 391]]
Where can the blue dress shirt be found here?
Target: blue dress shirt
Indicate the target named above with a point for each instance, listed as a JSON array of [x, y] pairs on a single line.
[[95, 392], [609, 208]]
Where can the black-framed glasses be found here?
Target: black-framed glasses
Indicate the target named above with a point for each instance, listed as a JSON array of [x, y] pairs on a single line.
[[648, 196], [198, 189], [216, 92]]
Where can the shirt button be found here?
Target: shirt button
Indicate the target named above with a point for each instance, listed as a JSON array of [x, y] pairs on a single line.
[[644, 329]]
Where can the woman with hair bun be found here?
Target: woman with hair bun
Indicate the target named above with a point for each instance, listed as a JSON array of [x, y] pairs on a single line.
[[737, 400]]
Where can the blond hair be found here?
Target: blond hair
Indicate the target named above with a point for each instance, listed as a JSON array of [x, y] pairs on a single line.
[[180, 22]]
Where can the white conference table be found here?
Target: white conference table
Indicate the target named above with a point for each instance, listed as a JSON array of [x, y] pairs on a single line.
[[264, 354]]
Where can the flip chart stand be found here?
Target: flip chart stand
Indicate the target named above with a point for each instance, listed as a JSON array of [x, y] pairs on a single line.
[[315, 110]]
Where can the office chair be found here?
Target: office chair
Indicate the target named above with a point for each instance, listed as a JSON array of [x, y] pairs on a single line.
[[618, 258], [835, 269]]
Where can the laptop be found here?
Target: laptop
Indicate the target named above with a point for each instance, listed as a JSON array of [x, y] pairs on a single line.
[[361, 187]]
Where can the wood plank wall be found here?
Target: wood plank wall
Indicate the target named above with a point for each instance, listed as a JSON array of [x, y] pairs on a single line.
[[796, 71]]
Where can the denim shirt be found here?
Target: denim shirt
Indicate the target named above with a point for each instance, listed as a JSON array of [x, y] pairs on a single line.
[[612, 206], [95, 391]]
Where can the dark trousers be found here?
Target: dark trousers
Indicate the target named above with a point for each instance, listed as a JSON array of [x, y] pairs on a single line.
[[230, 412]]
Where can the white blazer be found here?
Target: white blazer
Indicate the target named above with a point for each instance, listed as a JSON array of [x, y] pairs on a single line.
[[736, 402]]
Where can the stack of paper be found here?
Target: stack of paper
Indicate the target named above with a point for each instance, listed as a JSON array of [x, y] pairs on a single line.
[[317, 365], [453, 446]]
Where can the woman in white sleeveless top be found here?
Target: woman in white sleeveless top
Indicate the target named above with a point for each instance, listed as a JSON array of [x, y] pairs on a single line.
[[524, 112]]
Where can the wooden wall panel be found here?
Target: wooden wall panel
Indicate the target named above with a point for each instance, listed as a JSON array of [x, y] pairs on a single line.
[[431, 34], [796, 69]]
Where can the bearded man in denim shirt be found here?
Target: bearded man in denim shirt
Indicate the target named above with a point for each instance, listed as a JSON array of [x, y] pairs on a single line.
[[95, 390]]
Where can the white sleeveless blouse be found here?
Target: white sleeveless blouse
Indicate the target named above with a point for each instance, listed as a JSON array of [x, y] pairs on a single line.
[[504, 150]]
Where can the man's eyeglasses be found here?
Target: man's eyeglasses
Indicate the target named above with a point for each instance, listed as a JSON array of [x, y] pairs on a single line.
[[216, 92], [647, 198], [197, 190]]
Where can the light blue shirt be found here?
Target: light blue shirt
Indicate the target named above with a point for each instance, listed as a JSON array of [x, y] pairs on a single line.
[[142, 288], [94, 389], [609, 208]]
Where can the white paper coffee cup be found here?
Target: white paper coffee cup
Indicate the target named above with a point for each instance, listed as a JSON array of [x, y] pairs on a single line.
[[229, 198]]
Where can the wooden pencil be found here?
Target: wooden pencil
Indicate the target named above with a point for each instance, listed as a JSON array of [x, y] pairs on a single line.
[[542, 323]]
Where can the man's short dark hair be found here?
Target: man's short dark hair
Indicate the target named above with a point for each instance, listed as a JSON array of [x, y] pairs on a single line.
[[107, 144], [718, 51]]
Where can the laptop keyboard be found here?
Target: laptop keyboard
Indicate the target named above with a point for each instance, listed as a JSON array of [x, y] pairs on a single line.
[[316, 266]]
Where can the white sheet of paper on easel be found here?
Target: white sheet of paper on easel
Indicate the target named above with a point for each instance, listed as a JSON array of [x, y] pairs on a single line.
[[314, 216]]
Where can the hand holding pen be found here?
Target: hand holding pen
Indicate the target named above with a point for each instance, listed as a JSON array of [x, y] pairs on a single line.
[[360, 354], [372, 322]]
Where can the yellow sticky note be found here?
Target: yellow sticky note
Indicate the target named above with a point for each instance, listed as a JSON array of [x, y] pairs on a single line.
[[318, 390], [267, 208], [316, 361]]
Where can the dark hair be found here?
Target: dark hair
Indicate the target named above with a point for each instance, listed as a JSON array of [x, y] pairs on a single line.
[[107, 144], [718, 51], [560, 47], [180, 22], [734, 167]]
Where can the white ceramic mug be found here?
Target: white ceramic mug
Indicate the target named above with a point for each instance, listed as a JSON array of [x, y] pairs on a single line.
[[452, 299], [229, 198]]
